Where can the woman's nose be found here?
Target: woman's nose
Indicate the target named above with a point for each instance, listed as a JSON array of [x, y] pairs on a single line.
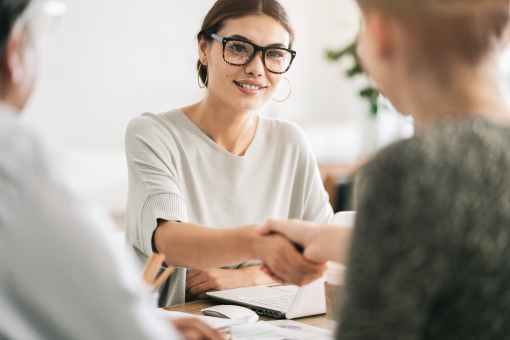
[[256, 65]]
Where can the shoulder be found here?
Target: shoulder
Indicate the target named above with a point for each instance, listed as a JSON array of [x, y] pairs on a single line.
[[160, 132], [439, 154], [22, 149], [284, 132], [150, 123]]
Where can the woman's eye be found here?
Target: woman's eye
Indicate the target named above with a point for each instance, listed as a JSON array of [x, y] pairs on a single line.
[[238, 48], [274, 54]]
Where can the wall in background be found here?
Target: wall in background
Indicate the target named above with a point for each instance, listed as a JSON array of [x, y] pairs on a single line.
[[109, 61]]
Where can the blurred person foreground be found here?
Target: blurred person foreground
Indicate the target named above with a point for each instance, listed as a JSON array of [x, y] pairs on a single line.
[[428, 253], [61, 277]]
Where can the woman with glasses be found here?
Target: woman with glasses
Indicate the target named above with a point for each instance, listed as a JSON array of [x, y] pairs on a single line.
[[201, 177]]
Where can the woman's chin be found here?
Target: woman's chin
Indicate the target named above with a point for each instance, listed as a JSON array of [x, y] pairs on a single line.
[[249, 105]]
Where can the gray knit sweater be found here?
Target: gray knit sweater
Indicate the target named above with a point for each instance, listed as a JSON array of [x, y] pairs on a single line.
[[430, 257]]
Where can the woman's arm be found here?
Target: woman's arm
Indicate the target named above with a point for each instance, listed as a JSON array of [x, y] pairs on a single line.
[[195, 246], [199, 282]]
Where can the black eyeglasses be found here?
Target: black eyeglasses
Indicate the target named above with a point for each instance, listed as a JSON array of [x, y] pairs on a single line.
[[239, 53]]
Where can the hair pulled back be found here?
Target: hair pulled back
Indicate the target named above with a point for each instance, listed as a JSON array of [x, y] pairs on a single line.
[[462, 28], [10, 11], [223, 10]]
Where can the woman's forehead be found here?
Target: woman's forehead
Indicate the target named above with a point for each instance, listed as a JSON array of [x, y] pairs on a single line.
[[262, 30]]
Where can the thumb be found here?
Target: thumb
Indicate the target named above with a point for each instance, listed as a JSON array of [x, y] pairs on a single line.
[[267, 228]]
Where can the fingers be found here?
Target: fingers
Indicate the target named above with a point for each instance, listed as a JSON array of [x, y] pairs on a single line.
[[198, 292], [192, 274], [272, 275], [287, 264], [193, 281], [271, 226], [295, 230], [194, 329]]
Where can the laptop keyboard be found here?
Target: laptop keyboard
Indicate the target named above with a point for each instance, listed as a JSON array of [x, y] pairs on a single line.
[[281, 302]]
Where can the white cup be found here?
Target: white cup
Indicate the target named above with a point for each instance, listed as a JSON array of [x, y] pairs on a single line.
[[344, 219], [335, 278], [335, 275]]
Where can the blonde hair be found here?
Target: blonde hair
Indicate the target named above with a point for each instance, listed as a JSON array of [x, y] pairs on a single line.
[[452, 7], [465, 6], [466, 29]]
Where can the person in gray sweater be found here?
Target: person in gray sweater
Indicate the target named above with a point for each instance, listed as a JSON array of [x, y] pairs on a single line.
[[429, 251]]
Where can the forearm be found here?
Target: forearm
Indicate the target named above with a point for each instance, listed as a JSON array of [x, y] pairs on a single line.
[[191, 245]]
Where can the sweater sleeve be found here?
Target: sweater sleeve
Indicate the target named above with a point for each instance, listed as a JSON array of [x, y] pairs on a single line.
[[317, 206], [316, 200], [154, 188], [396, 265]]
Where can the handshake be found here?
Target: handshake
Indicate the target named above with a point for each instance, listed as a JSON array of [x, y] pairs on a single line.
[[296, 252]]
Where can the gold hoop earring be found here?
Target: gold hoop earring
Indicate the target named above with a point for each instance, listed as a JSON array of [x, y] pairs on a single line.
[[290, 92], [206, 78]]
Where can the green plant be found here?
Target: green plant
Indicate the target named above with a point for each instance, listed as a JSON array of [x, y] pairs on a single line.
[[369, 93]]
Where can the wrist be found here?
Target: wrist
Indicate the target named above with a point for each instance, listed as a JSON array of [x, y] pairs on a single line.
[[247, 240], [250, 240]]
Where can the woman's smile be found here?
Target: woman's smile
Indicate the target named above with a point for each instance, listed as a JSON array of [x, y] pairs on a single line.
[[250, 87]]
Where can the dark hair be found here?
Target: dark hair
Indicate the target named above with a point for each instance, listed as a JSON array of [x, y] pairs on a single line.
[[465, 29], [223, 10], [10, 11]]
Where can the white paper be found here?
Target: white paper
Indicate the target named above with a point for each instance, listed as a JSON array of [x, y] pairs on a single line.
[[264, 330], [215, 323], [295, 326]]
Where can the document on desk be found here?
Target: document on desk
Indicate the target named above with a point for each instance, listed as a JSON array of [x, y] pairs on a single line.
[[266, 330], [215, 323], [319, 333]]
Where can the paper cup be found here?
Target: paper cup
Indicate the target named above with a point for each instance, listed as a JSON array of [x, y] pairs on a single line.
[[335, 277], [344, 219]]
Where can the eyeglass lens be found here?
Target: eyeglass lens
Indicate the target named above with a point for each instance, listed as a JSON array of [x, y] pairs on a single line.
[[238, 53]]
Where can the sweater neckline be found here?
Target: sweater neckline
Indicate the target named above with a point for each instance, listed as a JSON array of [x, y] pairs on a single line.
[[209, 140]]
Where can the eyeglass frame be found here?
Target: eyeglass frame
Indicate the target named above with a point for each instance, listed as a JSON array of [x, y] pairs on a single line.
[[256, 50]]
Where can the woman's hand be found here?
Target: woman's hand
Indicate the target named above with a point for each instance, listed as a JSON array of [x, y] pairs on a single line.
[[283, 259], [194, 329], [319, 243], [199, 282]]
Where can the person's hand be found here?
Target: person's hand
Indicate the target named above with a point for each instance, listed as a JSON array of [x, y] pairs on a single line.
[[194, 329], [319, 243], [199, 282], [285, 262]]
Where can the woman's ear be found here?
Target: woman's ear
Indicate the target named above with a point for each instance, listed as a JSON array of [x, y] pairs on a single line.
[[380, 30], [203, 51]]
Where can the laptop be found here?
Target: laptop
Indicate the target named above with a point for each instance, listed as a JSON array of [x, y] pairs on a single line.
[[278, 301]]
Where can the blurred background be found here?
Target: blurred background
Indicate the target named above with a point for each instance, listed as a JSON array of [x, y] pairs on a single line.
[[109, 61]]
